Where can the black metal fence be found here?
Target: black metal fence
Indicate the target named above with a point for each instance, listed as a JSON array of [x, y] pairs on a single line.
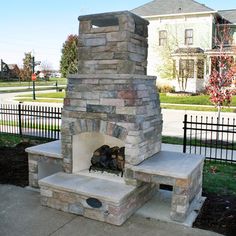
[[211, 137], [27, 120]]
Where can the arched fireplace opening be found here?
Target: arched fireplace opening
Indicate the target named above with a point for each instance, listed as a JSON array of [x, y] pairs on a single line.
[[85, 148]]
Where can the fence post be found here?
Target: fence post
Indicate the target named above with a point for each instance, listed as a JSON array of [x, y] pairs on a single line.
[[185, 134], [19, 117]]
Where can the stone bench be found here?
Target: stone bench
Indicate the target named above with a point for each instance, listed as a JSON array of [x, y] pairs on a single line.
[[44, 160], [182, 171], [104, 200]]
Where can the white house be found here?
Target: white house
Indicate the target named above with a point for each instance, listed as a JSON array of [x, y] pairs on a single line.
[[182, 40]]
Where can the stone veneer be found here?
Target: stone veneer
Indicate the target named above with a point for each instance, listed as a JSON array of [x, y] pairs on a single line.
[[43, 160], [70, 193], [123, 106], [182, 171], [112, 94], [113, 43]]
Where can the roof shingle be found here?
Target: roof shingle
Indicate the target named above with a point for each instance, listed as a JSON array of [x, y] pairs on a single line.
[[165, 7], [229, 15]]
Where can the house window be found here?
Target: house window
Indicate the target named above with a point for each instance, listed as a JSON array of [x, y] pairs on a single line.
[[200, 69], [188, 37], [162, 37], [186, 68]]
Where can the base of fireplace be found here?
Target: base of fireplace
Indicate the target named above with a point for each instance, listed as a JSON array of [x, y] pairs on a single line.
[[113, 202]]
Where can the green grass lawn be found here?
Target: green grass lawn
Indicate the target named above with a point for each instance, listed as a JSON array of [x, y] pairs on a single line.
[[195, 108], [46, 95], [193, 100], [56, 97], [50, 82], [196, 102], [219, 178]]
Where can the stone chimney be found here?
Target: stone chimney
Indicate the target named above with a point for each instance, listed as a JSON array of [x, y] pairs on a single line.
[[111, 99]]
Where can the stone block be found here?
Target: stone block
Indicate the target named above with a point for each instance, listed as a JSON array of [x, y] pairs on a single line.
[[76, 208], [46, 192], [94, 42], [117, 36], [122, 46], [125, 67], [112, 102], [100, 108], [121, 55], [127, 94], [143, 177], [94, 214], [163, 180], [182, 182], [33, 166], [64, 196], [85, 27], [126, 110], [102, 56], [137, 57]]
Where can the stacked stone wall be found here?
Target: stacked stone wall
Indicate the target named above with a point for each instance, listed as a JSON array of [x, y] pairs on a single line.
[[128, 110], [109, 49]]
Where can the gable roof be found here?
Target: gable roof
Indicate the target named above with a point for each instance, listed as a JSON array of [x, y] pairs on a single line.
[[166, 7], [229, 15], [12, 66]]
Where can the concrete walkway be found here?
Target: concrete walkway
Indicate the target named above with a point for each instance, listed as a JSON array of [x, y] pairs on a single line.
[[22, 215]]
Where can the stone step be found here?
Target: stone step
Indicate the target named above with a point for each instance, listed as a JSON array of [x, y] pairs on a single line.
[[112, 202], [88, 186]]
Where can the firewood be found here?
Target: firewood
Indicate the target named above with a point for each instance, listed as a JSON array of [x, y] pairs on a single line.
[[114, 152], [101, 150], [109, 158]]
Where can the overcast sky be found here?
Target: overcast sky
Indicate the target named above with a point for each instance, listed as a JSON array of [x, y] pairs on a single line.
[[42, 26]]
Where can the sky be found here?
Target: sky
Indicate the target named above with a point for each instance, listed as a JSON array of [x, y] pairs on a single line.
[[42, 26]]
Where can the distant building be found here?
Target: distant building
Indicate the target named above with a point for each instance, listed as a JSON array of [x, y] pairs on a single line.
[[189, 32], [9, 71]]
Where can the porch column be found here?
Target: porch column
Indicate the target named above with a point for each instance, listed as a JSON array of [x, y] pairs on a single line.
[[177, 59], [195, 69]]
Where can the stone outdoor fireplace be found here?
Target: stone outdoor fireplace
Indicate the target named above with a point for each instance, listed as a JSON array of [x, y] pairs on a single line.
[[111, 101], [111, 117]]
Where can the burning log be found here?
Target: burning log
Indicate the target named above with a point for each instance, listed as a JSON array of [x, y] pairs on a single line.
[[111, 159]]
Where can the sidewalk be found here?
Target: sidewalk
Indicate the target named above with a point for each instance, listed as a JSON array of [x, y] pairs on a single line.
[[22, 215]]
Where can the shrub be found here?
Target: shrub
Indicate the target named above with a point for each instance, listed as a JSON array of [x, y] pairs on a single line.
[[166, 89]]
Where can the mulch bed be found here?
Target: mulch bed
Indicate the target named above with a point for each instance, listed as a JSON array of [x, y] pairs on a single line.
[[218, 213]]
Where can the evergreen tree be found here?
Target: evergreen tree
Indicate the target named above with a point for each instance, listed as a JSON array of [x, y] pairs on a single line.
[[69, 57], [26, 72]]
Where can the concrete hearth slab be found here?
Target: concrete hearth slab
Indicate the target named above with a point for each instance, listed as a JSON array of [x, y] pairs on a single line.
[[51, 149], [104, 190], [169, 164], [159, 208]]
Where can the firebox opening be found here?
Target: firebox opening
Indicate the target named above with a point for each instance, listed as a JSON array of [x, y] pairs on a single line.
[[85, 144], [108, 159]]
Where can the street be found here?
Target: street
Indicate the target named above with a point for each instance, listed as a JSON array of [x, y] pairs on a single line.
[[172, 119]]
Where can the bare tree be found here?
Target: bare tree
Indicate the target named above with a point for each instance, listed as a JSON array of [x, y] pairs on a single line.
[[223, 71], [46, 68]]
